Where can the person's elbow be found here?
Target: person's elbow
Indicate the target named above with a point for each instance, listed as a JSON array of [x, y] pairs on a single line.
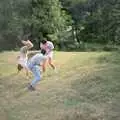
[[30, 46]]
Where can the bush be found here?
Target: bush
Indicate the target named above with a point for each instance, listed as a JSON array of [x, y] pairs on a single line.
[[110, 48]]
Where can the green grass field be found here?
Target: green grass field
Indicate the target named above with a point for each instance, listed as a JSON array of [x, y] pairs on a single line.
[[85, 87]]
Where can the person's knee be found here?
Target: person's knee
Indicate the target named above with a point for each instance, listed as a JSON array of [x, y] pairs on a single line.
[[50, 61], [38, 78]]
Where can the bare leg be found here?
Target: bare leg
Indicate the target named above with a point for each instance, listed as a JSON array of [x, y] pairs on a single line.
[[51, 63], [27, 73]]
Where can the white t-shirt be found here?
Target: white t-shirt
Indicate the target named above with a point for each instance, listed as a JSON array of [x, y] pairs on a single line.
[[37, 60], [48, 47]]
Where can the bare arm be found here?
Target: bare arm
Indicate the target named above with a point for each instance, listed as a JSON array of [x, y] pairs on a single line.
[[24, 42], [30, 44], [27, 43]]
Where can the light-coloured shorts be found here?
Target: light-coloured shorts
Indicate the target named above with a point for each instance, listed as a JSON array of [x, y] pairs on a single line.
[[23, 62], [50, 55]]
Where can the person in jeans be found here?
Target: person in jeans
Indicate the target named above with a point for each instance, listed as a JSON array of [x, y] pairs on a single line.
[[34, 66]]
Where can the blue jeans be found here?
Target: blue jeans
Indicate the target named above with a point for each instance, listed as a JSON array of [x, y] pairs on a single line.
[[36, 72]]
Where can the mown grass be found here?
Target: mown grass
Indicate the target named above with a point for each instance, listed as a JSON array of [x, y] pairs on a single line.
[[85, 87]]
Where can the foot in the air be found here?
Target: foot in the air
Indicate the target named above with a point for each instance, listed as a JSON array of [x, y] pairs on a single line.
[[31, 88]]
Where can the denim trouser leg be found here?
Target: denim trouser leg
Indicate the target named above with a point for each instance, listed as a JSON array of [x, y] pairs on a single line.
[[36, 72]]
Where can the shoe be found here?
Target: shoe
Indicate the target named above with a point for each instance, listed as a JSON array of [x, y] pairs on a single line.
[[31, 88]]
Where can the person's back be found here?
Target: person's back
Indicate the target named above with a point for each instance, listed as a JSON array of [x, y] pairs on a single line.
[[23, 52], [22, 58], [50, 46], [37, 59]]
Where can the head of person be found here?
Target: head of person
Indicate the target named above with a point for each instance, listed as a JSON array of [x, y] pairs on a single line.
[[43, 51], [44, 41]]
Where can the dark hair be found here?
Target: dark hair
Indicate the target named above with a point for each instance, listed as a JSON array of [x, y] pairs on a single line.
[[44, 41], [43, 51]]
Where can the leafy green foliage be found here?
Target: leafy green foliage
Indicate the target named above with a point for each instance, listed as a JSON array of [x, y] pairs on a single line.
[[69, 24], [100, 20], [47, 18], [14, 22]]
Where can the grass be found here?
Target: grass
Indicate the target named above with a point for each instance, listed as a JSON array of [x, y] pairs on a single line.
[[86, 87]]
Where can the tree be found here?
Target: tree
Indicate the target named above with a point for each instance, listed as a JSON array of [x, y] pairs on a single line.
[[47, 18], [14, 22]]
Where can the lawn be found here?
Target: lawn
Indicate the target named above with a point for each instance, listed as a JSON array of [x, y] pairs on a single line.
[[86, 86]]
